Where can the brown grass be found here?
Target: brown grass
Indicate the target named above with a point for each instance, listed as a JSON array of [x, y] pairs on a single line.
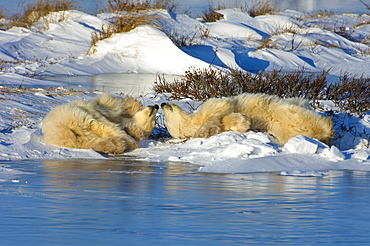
[[33, 13], [2, 15], [211, 15], [350, 94], [189, 37], [60, 91], [367, 6], [137, 5], [261, 7], [266, 44], [361, 23], [322, 14]]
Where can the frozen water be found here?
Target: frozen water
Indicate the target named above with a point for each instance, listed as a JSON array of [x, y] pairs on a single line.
[[123, 202]]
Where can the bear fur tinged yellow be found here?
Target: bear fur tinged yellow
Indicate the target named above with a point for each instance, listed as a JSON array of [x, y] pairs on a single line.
[[281, 118], [106, 124]]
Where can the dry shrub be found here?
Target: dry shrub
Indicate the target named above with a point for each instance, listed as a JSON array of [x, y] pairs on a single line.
[[3, 22], [205, 83], [322, 14], [196, 84], [126, 5], [367, 6], [351, 94], [2, 15], [267, 43], [187, 37], [211, 15], [32, 13], [137, 5], [261, 8], [361, 23], [366, 40], [182, 38]]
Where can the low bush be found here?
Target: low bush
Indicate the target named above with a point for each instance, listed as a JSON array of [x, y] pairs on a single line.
[[322, 14], [261, 8], [2, 15], [211, 15], [33, 13], [367, 6], [137, 5], [350, 93]]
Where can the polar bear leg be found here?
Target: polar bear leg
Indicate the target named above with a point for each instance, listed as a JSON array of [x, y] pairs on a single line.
[[208, 129], [60, 135], [109, 139], [107, 145], [236, 122]]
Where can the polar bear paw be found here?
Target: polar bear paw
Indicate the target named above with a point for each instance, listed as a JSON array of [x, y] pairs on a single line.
[[207, 130], [236, 122], [113, 145]]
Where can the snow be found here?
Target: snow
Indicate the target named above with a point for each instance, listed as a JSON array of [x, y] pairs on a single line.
[[62, 49]]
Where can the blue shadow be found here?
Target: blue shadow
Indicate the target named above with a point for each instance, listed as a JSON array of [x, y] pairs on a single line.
[[204, 53]]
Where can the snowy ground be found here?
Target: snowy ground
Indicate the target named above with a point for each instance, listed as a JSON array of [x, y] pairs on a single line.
[[293, 41]]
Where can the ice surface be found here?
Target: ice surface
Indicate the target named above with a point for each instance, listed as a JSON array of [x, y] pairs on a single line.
[[302, 173], [8, 174]]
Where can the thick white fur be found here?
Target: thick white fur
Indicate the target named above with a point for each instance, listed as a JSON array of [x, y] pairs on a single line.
[[105, 124], [282, 118]]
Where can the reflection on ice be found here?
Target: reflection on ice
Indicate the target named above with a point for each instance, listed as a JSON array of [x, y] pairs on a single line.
[[100, 202], [127, 83]]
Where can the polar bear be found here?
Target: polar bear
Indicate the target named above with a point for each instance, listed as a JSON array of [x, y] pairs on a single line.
[[106, 124], [281, 118]]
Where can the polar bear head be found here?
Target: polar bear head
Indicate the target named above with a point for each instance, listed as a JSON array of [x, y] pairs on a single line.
[[215, 116], [145, 118], [179, 123], [142, 123]]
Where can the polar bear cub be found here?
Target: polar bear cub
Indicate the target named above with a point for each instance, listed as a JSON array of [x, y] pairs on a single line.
[[106, 124], [281, 118]]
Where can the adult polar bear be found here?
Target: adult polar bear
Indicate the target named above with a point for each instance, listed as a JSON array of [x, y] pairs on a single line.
[[106, 124], [282, 118]]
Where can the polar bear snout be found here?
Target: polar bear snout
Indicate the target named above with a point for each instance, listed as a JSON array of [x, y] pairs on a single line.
[[167, 106], [153, 109]]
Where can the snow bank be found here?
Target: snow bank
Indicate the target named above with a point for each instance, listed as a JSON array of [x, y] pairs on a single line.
[[285, 41], [24, 143], [232, 152]]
